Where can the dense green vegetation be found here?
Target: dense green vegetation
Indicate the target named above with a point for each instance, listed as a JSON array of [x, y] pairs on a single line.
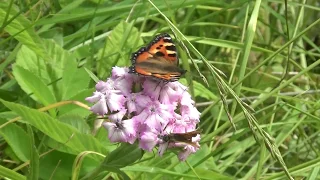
[[253, 71]]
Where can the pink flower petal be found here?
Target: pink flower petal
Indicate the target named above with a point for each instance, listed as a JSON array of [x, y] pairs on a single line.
[[118, 116], [100, 107], [148, 141]]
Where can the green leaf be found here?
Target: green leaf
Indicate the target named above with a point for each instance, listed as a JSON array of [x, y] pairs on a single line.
[[60, 132], [76, 121], [32, 84], [92, 75], [18, 140], [8, 95], [21, 29], [34, 160], [115, 53], [56, 165], [51, 72], [123, 156], [74, 80], [85, 13], [10, 174]]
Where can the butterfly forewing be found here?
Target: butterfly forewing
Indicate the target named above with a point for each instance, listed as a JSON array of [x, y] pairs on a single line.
[[158, 59], [165, 48]]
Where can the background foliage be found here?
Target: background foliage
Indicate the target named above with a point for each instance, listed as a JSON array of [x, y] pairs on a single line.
[[255, 63]]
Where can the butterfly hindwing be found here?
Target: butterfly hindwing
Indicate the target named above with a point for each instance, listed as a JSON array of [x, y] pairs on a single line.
[[159, 60]]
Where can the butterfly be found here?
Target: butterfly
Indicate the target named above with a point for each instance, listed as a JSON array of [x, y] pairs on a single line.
[[158, 60], [182, 137]]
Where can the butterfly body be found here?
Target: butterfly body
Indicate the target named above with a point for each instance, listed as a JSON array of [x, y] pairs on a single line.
[[158, 60]]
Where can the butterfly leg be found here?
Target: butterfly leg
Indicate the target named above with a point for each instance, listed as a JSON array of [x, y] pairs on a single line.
[[160, 85]]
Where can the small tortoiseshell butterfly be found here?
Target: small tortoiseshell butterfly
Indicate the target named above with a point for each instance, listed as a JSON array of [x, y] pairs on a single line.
[[159, 60]]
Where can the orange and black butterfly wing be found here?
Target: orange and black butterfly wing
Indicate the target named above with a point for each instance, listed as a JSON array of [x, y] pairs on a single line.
[[163, 46], [159, 59], [142, 55]]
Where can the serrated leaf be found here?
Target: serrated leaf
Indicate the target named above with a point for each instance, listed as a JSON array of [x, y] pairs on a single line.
[[32, 84], [117, 52], [74, 80], [60, 132], [51, 72]]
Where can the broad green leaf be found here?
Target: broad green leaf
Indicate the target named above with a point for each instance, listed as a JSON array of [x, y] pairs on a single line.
[[21, 29], [56, 34], [31, 84], [74, 79], [117, 52], [8, 173], [76, 121], [8, 151], [58, 162], [60, 132], [50, 72], [123, 156], [18, 140]]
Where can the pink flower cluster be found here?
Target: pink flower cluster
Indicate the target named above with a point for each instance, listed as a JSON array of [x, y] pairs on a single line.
[[147, 115]]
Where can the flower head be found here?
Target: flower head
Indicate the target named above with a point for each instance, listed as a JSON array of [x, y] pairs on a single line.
[[154, 115]]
